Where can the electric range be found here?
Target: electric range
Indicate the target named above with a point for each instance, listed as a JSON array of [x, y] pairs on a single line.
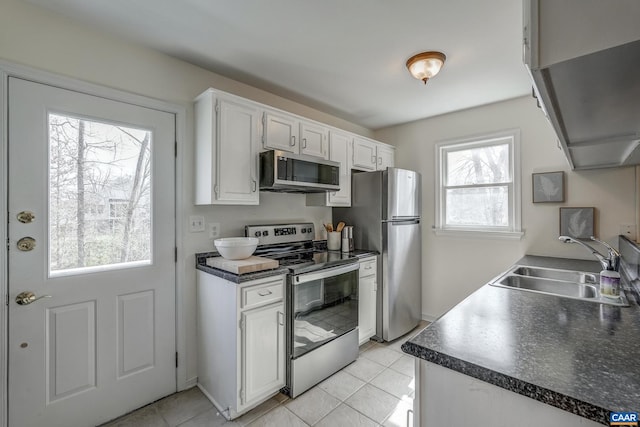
[[321, 302]]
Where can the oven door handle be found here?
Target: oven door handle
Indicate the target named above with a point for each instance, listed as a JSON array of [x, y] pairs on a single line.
[[323, 274]]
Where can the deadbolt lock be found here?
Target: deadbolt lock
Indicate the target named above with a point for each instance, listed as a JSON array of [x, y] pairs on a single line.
[[26, 244], [26, 217]]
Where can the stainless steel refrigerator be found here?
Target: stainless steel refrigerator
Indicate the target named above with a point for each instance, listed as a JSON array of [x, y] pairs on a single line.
[[385, 212]]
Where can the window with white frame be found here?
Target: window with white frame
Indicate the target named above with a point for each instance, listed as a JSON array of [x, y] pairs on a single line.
[[478, 186]]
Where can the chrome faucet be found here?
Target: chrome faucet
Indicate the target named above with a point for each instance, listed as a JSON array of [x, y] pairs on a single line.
[[612, 262]]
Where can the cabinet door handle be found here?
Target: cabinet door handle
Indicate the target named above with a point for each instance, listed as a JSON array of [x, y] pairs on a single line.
[[255, 185], [293, 140], [280, 318], [264, 292], [379, 160], [373, 159], [304, 142], [368, 267]]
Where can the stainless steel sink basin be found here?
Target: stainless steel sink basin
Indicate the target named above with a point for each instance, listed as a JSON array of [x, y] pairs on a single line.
[[552, 273], [556, 287], [561, 283]]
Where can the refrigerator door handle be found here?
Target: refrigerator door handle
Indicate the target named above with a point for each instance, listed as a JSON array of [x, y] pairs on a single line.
[[402, 221]]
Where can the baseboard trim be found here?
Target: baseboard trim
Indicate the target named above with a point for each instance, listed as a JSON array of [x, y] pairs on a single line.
[[190, 383], [428, 317]]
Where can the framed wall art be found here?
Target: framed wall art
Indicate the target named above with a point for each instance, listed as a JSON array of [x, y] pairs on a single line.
[[577, 222], [548, 187]]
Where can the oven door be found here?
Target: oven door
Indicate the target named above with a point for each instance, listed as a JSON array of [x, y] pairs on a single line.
[[324, 306]]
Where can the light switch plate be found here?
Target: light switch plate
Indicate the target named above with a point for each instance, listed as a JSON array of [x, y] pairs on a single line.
[[196, 224]]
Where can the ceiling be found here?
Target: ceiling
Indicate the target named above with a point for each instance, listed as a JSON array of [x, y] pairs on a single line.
[[344, 57]]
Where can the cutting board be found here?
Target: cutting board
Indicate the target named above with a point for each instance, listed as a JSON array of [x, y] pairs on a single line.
[[242, 266]]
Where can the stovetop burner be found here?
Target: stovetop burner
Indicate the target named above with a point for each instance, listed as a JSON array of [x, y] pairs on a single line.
[[293, 248]]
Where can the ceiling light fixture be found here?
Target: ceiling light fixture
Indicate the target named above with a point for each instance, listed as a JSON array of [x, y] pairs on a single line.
[[425, 65]]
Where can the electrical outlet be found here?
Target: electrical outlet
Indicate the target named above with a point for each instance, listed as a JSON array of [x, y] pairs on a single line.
[[196, 224], [628, 231], [214, 230]]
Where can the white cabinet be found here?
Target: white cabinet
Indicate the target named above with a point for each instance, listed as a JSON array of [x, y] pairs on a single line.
[[364, 154], [314, 140], [369, 155], [476, 402], [263, 370], [289, 133], [241, 347], [367, 299], [386, 156], [280, 132], [227, 142], [339, 151]]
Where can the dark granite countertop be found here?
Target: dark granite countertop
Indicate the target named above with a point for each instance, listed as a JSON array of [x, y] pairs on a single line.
[[201, 264], [579, 356]]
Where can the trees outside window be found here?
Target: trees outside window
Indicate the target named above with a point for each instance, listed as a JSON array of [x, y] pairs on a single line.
[[478, 187], [100, 194]]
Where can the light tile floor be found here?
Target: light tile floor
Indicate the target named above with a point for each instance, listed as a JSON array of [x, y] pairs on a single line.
[[375, 390]]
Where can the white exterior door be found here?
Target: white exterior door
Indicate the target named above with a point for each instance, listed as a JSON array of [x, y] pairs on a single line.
[[91, 225]]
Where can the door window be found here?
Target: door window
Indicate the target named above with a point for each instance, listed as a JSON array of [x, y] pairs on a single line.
[[99, 195]]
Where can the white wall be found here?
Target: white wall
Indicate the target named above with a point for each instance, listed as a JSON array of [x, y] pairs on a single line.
[[35, 37], [454, 267]]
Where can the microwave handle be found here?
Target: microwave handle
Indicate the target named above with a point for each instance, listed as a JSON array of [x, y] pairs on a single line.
[[323, 274]]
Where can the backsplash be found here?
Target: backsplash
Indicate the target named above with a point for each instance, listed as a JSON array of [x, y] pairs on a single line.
[[630, 266]]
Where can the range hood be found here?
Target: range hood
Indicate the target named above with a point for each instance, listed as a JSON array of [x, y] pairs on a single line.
[[593, 103]]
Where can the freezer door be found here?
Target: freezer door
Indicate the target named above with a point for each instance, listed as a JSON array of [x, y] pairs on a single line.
[[401, 296], [403, 193]]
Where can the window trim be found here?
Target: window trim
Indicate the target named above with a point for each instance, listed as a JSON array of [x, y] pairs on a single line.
[[514, 230]]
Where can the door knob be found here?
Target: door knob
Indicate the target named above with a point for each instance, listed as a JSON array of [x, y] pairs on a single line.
[[27, 297]]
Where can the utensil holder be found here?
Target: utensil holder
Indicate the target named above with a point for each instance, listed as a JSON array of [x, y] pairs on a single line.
[[333, 240]]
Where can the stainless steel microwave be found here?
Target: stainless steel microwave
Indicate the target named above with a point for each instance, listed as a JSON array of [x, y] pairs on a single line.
[[296, 173]]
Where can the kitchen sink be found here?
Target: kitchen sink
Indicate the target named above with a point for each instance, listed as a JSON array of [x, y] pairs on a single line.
[[561, 283], [552, 273]]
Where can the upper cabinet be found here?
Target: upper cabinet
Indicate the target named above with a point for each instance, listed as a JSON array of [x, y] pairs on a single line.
[[369, 155], [386, 156], [227, 142], [314, 139], [339, 151], [230, 131], [280, 132], [582, 56], [288, 133]]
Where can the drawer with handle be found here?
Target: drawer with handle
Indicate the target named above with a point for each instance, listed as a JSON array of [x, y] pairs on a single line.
[[367, 267], [265, 293]]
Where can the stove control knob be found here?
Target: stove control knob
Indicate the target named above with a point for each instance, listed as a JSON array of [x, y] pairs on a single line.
[[265, 233], [303, 230], [257, 234]]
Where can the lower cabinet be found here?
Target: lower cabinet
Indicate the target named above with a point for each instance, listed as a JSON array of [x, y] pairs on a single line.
[[241, 346], [367, 299], [263, 370]]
